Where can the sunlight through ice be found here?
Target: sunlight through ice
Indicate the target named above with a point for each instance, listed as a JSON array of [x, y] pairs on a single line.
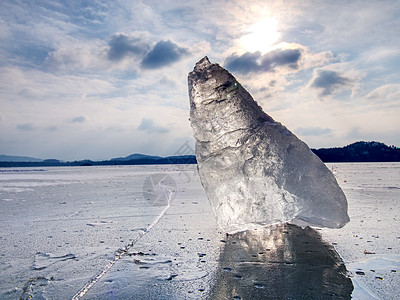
[[254, 170]]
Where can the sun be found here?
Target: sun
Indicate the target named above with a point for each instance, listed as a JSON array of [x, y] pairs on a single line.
[[261, 36]]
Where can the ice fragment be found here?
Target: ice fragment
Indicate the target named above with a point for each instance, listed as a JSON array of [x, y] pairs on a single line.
[[254, 170]]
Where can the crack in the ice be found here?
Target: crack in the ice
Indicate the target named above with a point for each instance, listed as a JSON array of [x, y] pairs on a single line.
[[120, 253]]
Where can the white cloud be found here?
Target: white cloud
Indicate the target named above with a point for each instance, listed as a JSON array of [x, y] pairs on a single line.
[[319, 59], [149, 126], [388, 93], [18, 83], [381, 54], [79, 57], [313, 131]]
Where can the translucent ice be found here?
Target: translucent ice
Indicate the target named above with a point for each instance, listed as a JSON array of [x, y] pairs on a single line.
[[254, 170]]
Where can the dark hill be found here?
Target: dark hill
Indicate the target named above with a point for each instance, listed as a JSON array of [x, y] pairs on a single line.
[[135, 156], [356, 152], [360, 152]]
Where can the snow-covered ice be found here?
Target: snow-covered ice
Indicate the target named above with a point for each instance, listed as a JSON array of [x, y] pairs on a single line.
[[370, 243], [61, 227], [254, 170]]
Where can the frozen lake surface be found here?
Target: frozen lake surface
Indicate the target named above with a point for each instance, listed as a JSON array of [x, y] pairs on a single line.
[[147, 232]]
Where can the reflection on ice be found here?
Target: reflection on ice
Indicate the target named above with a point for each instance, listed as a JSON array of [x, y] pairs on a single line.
[[281, 262]]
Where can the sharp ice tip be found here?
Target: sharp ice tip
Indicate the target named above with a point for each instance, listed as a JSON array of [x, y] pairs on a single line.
[[202, 64]]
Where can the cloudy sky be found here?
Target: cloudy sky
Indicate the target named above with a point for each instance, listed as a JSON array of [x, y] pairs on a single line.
[[99, 79]]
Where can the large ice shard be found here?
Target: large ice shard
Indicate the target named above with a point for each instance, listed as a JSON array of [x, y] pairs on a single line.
[[254, 170]]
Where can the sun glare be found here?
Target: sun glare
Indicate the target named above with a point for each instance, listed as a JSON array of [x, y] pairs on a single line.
[[261, 36]]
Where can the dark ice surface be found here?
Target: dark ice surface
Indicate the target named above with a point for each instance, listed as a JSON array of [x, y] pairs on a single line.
[[281, 262], [113, 227]]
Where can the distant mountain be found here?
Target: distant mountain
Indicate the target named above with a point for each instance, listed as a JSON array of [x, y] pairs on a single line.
[[135, 156], [134, 159], [12, 158], [360, 152]]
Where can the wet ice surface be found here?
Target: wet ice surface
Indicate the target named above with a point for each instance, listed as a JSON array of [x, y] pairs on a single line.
[[60, 228]]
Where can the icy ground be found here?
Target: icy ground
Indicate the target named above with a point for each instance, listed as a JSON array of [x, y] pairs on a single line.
[[148, 232], [370, 243]]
